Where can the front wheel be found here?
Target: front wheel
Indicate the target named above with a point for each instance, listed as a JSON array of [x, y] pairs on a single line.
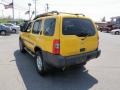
[[3, 33], [117, 33], [22, 47], [14, 30]]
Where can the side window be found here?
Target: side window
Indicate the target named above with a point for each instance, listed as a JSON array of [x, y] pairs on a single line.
[[37, 27], [49, 27], [28, 26]]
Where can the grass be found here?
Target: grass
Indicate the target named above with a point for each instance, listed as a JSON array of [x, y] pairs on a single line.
[[4, 20], [7, 20]]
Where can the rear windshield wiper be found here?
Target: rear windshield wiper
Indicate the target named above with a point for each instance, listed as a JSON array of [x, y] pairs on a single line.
[[82, 35]]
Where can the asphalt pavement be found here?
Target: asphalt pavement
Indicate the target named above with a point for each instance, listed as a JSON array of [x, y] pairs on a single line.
[[17, 70]]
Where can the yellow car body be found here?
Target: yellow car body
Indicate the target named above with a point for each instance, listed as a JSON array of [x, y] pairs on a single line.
[[65, 46]]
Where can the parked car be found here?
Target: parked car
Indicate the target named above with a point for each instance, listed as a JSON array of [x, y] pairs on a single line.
[[14, 28], [24, 24], [60, 40], [4, 30], [105, 29], [116, 31]]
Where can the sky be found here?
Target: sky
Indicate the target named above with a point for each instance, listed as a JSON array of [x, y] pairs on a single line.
[[95, 9]]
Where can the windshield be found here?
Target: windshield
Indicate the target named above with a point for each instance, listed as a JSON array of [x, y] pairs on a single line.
[[8, 24], [77, 26]]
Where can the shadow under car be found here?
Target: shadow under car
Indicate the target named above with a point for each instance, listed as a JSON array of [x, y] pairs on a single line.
[[70, 79]]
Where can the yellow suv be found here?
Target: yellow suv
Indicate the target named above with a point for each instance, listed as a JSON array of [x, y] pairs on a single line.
[[60, 40]]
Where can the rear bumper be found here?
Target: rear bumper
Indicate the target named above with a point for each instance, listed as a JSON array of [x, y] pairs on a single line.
[[59, 61]]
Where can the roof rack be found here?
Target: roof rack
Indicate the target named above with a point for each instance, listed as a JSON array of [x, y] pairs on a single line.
[[73, 13], [46, 14], [53, 13]]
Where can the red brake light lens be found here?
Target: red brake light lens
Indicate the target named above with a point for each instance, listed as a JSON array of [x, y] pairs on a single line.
[[56, 46]]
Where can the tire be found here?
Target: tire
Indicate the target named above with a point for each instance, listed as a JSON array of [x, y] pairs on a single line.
[[107, 31], [14, 30], [22, 47], [3, 33], [40, 64], [117, 33], [83, 64]]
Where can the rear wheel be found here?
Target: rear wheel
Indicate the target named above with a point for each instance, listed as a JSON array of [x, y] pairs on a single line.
[[40, 64], [22, 47], [14, 30], [3, 33], [107, 31], [117, 33], [100, 30]]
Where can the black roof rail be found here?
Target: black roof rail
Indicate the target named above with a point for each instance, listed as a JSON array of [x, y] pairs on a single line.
[[73, 13], [46, 14], [53, 13]]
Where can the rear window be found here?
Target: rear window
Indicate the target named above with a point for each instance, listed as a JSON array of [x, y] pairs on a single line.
[[77, 26]]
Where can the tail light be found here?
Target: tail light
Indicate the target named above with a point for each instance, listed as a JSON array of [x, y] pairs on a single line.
[[56, 46]]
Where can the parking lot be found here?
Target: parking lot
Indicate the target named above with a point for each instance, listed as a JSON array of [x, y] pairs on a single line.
[[17, 71]]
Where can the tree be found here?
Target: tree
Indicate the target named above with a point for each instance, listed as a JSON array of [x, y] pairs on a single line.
[[103, 19]]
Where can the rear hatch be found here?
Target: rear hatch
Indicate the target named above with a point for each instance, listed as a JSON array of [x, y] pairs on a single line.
[[78, 36]]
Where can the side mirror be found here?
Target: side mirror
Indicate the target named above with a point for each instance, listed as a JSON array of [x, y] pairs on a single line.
[[21, 28], [24, 28]]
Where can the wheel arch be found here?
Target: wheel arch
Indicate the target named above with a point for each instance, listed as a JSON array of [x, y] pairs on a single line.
[[117, 32], [4, 31], [13, 28], [37, 48]]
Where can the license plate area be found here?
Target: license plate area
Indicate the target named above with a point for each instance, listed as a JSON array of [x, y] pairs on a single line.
[[76, 59]]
